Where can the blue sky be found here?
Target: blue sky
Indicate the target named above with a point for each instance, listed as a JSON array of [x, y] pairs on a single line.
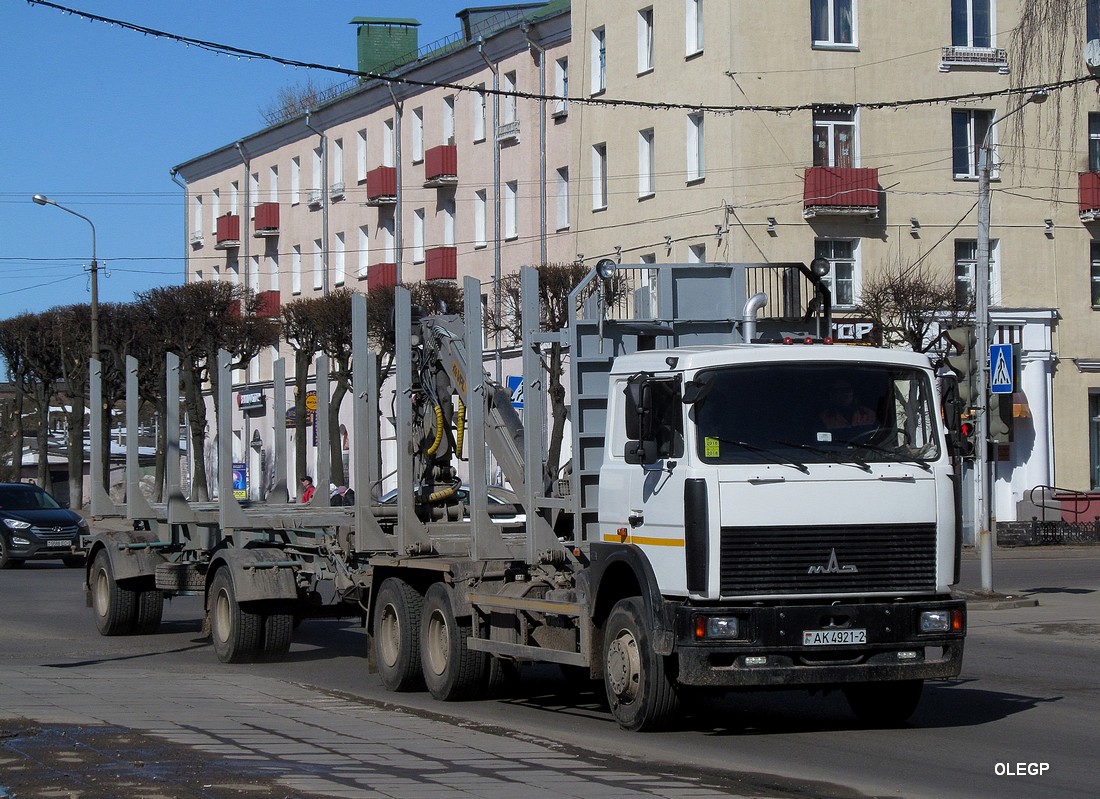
[[95, 116]]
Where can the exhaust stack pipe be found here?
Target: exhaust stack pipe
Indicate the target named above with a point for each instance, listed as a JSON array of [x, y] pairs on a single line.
[[748, 315]]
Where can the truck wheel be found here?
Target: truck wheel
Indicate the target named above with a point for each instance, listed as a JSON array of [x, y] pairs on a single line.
[[884, 704], [278, 616], [115, 607], [150, 608], [452, 671], [396, 639], [237, 631], [639, 690]]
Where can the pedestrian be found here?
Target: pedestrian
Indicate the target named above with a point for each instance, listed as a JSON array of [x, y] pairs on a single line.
[[307, 488], [341, 495]]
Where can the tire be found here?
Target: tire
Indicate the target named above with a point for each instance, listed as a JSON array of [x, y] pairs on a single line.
[[150, 609], [398, 609], [6, 560], [237, 631], [452, 671], [640, 691], [278, 621], [114, 606], [884, 704]]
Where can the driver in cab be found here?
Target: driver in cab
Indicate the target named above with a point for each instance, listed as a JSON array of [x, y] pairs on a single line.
[[842, 410]]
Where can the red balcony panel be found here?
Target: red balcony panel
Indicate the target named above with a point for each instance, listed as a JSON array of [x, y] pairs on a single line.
[[837, 191], [379, 275], [267, 304], [228, 231], [235, 309], [441, 165], [1089, 183], [267, 219], [441, 263], [382, 185]]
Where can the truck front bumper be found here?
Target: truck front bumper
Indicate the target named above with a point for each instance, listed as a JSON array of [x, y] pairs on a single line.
[[771, 647]]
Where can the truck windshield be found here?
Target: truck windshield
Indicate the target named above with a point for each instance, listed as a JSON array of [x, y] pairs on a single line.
[[816, 413]]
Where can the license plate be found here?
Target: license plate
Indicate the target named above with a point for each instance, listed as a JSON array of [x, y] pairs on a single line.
[[53, 542], [833, 637]]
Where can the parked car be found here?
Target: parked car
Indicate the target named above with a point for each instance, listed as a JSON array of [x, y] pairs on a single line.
[[35, 526]]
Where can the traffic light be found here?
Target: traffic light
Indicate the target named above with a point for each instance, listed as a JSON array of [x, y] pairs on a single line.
[[960, 360], [1000, 418], [967, 435]]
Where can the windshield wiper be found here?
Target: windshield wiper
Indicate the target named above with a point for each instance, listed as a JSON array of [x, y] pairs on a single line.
[[832, 456], [768, 455], [892, 454]]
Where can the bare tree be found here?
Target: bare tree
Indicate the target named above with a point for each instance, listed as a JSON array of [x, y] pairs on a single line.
[[291, 101]]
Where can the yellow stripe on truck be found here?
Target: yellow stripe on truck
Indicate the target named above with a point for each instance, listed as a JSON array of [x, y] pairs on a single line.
[[611, 538]]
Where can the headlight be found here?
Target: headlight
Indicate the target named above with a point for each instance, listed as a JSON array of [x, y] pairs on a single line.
[[19, 542], [82, 523], [716, 627], [935, 621], [16, 524]]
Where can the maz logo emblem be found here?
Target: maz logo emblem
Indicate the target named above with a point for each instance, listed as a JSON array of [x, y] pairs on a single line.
[[833, 566]]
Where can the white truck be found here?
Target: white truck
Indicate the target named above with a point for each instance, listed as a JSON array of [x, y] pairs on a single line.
[[746, 508]]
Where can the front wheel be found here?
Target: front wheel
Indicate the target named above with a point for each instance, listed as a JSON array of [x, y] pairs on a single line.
[[452, 671], [884, 704], [639, 687]]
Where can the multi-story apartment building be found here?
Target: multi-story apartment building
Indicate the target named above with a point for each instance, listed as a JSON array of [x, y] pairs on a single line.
[[705, 131]]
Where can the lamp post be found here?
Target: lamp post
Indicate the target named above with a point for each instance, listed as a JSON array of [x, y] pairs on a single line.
[[981, 337], [41, 199]]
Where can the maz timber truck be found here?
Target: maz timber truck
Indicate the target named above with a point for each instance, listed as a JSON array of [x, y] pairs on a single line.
[[727, 523]]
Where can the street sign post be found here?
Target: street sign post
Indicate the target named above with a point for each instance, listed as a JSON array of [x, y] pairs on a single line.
[[1001, 378]]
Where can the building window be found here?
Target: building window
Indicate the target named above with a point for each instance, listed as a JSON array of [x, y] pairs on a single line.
[[448, 207], [273, 271], [511, 209], [645, 40], [693, 27], [835, 137], [315, 186], [968, 131], [508, 101], [234, 197], [599, 60], [318, 265], [387, 143], [215, 208], [254, 272], [418, 236], [1092, 20], [645, 163], [561, 86], [971, 23], [449, 119], [196, 216], [273, 185], [1094, 270], [364, 251], [697, 254], [696, 164], [599, 176], [1094, 142], [479, 112], [296, 269], [832, 22], [1094, 440], [253, 193], [966, 261], [337, 179], [338, 262], [389, 241], [480, 208], [295, 181], [563, 198], [361, 165], [418, 135], [843, 277]]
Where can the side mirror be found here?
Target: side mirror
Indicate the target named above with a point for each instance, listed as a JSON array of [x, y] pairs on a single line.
[[639, 453]]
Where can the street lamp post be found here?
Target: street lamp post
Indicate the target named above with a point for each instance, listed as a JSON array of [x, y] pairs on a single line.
[[981, 337], [43, 200]]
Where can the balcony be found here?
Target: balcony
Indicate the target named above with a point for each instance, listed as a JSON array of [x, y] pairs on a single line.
[[336, 191], [316, 199], [508, 133], [267, 304], [382, 186], [835, 191], [1089, 196], [441, 263], [381, 275], [228, 233], [266, 220], [441, 166], [974, 58], [195, 238]]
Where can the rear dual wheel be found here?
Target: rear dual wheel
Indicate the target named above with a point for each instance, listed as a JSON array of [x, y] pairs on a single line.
[[398, 609], [246, 632], [131, 608], [452, 670]]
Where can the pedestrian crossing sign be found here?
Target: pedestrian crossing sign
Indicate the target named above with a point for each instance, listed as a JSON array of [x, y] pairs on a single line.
[[1001, 379]]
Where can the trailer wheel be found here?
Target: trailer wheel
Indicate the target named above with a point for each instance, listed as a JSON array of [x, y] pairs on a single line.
[[639, 689], [884, 704], [396, 639], [150, 609], [114, 606], [237, 631], [278, 620], [452, 671]]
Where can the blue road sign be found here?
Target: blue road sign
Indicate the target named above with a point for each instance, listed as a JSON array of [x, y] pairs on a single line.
[[515, 388], [1001, 379]]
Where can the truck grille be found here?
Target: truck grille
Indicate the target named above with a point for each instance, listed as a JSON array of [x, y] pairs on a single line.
[[828, 560]]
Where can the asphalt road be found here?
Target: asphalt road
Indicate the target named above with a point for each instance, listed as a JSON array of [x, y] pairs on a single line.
[[199, 728]]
